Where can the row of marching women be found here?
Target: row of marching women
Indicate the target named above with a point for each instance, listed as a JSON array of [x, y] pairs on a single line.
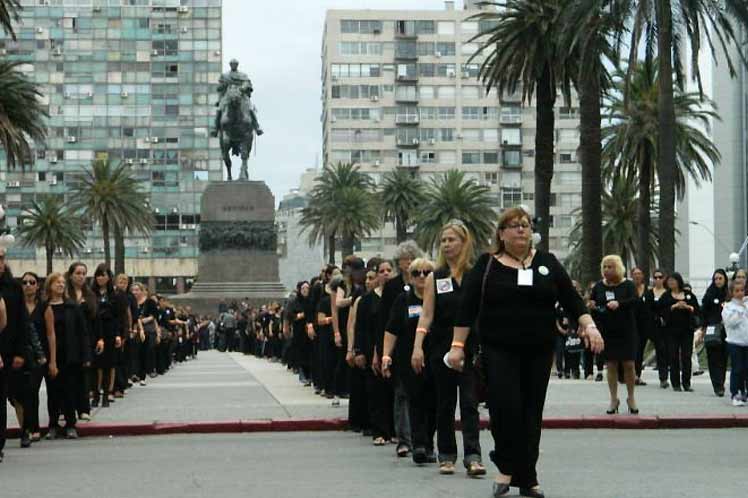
[[407, 340], [87, 340]]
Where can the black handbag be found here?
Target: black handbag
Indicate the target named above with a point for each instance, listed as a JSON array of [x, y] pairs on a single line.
[[714, 334]]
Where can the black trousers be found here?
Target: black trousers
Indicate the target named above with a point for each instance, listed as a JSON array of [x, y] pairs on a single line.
[[328, 360], [342, 372], [662, 352], [63, 392], [32, 414], [381, 405], [85, 386], [591, 361], [148, 355], [421, 407], [643, 337], [571, 363], [132, 353], [358, 409], [517, 383], [3, 405], [680, 345], [717, 358], [448, 383]]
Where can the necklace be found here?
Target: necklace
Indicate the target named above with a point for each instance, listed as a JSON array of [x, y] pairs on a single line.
[[515, 258]]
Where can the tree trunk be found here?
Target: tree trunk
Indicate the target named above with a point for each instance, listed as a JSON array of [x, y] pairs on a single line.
[[666, 142], [119, 249], [544, 139], [591, 150], [107, 248], [49, 250], [331, 249], [401, 229], [644, 218], [347, 246]]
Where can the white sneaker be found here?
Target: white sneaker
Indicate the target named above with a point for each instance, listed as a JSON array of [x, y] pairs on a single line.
[[736, 401]]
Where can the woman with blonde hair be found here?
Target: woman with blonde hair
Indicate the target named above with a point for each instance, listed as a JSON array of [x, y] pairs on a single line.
[[613, 302], [441, 300]]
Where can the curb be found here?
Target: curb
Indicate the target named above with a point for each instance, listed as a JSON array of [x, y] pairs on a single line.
[[338, 424]]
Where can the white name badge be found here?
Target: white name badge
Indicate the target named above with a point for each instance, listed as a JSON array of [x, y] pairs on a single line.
[[414, 311], [444, 285], [711, 330], [524, 278], [610, 296]]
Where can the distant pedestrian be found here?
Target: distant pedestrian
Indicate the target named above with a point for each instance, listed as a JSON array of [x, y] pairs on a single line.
[[735, 316], [712, 334], [681, 310]]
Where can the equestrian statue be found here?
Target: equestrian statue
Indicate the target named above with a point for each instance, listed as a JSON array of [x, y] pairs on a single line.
[[236, 120]]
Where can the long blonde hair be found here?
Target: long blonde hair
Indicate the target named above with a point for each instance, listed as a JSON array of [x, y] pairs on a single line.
[[465, 259], [52, 278]]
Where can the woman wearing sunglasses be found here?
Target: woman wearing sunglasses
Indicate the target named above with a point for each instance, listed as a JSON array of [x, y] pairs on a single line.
[[35, 309], [400, 335], [653, 298], [441, 301]]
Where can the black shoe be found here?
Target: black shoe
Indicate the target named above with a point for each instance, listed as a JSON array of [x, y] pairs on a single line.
[[25, 440], [71, 433], [531, 493], [677, 389], [53, 433], [105, 401], [95, 400], [698, 372], [500, 489], [419, 456], [720, 393], [640, 382], [664, 384], [599, 377], [614, 410], [688, 389]]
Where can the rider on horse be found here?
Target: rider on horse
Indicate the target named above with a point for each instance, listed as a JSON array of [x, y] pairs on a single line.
[[235, 78]]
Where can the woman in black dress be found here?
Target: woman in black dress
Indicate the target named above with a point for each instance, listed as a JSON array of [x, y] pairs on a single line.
[[35, 308], [77, 290], [680, 308], [653, 300], [111, 324], [712, 334], [302, 344], [613, 303], [146, 318], [68, 351]]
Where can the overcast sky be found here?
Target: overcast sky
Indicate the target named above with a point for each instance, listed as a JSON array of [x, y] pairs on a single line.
[[278, 44]]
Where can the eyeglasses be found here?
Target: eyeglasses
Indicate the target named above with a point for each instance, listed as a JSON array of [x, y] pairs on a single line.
[[658, 277], [29, 283], [420, 273], [516, 226]]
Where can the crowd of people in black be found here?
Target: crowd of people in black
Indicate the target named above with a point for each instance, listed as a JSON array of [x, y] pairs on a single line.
[[88, 340]]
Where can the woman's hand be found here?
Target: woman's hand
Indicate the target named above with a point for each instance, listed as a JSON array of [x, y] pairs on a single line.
[[100, 346], [592, 338], [117, 342], [417, 360], [456, 359], [310, 331], [53, 370], [386, 364], [18, 363], [613, 305], [338, 340], [349, 357]]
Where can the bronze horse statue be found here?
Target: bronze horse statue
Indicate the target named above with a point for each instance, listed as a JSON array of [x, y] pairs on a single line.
[[237, 131]]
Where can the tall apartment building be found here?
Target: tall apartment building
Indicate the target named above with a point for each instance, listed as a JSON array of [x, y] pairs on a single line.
[[398, 92], [130, 81]]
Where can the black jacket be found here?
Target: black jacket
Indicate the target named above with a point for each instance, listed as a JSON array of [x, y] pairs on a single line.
[[77, 338], [14, 339]]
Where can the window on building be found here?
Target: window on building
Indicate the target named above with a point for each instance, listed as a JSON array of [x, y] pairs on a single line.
[[446, 49], [511, 136], [511, 158], [490, 157], [510, 197], [471, 157]]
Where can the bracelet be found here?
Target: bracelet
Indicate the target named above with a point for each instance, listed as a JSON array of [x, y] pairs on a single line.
[[458, 344], [422, 330]]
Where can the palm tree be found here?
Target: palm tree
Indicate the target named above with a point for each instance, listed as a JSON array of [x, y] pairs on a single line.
[[342, 204], [22, 115], [632, 138], [591, 27], [522, 50], [112, 197], [52, 225], [400, 195], [9, 14], [620, 228], [668, 25], [452, 196]]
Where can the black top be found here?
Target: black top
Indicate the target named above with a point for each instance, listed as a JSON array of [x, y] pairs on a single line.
[[391, 290], [36, 319], [14, 338], [617, 322], [654, 305], [679, 320], [518, 315], [711, 305], [366, 324], [448, 296], [58, 310], [147, 308], [324, 308], [404, 316]]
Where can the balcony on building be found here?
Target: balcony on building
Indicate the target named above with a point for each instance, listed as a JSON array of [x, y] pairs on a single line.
[[511, 115], [406, 30], [408, 159], [515, 96], [407, 119], [406, 94], [407, 140], [406, 51]]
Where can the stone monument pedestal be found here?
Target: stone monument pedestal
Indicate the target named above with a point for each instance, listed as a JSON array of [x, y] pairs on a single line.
[[238, 247]]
